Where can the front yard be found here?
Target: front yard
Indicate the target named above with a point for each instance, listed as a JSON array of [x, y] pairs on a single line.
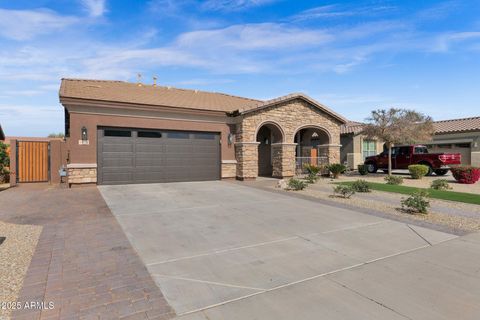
[[453, 209]]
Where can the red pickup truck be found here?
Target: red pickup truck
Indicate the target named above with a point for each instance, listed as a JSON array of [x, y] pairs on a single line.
[[403, 156]]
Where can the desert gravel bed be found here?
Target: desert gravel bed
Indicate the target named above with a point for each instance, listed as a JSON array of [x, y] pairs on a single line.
[[15, 255], [454, 215]]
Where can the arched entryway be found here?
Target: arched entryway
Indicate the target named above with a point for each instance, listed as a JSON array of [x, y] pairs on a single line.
[[312, 146], [267, 134]]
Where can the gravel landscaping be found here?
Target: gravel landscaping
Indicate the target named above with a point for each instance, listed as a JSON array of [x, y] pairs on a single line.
[[15, 255], [458, 217]]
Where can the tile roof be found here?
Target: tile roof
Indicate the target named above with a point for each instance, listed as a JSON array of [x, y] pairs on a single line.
[[351, 127], [457, 125], [134, 93], [443, 126], [127, 92]]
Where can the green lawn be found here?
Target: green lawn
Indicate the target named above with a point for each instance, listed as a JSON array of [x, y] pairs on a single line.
[[437, 194]]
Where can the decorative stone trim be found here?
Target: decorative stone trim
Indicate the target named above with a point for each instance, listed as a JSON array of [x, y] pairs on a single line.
[[229, 161], [229, 169], [246, 143], [81, 165], [79, 173]]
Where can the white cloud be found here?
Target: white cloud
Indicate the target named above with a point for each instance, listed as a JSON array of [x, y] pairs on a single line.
[[336, 11], [444, 42], [254, 37], [95, 8], [233, 5], [26, 24]]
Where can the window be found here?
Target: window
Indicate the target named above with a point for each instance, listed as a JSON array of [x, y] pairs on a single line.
[[149, 134], [204, 136], [117, 133], [178, 135], [445, 145], [369, 148], [462, 145], [421, 150]]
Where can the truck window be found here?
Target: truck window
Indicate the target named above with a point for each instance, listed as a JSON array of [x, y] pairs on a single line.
[[404, 151], [421, 150]]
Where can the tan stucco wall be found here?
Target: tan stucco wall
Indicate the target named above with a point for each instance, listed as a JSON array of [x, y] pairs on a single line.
[[88, 153]]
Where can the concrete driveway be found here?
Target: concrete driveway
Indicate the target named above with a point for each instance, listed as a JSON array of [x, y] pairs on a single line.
[[220, 250]]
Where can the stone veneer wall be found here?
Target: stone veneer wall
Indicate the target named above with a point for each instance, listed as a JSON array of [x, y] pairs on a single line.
[[290, 116], [78, 175], [283, 160], [229, 169], [247, 155]]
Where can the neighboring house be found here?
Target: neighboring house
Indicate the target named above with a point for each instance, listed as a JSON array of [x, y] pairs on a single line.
[[454, 136], [119, 132], [355, 146], [2, 135]]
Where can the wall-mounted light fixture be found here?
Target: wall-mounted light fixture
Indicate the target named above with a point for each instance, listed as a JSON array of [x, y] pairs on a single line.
[[230, 138], [84, 134]]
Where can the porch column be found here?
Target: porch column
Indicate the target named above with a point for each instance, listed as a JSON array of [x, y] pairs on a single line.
[[334, 153], [246, 154], [283, 159]]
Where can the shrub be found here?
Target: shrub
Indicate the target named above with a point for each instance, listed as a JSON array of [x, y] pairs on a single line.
[[417, 202], [335, 169], [362, 169], [312, 172], [361, 186], [466, 174], [395, 180], [440, 184], [296, 184], [4, 163], [345, 191], [417, 171]]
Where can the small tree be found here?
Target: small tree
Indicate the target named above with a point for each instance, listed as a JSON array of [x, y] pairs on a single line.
[[56, 135], [398, 126], [4, 158]]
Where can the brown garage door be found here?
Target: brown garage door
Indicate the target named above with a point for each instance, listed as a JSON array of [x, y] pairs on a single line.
[[148, 156]]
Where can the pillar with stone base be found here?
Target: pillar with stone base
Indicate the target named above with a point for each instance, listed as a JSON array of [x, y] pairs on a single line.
[[246, 154], [334, 153], [283, 160]]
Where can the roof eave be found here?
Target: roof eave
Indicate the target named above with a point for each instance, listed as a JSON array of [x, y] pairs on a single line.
[[127, 105], [294, 97]]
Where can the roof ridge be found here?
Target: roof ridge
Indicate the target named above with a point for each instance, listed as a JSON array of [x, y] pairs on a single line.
[[163, 86], [96, 80], [459, 119]]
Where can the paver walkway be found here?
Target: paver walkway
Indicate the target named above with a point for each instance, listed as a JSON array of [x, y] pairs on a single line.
[[83, 262]]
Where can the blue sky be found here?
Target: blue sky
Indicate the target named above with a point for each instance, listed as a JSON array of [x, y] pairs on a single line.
[[353, 56]]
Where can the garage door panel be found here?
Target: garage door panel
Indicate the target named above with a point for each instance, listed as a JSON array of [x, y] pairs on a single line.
[[162, 157], [117, 147], [118, 162]]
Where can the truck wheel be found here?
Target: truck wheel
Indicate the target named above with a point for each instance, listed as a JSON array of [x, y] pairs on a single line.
[[441, 172], [372, 168], [430, 169]]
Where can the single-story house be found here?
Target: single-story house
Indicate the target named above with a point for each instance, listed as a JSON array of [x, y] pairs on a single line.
[[119, 132], [454, 136], [2, 135]]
